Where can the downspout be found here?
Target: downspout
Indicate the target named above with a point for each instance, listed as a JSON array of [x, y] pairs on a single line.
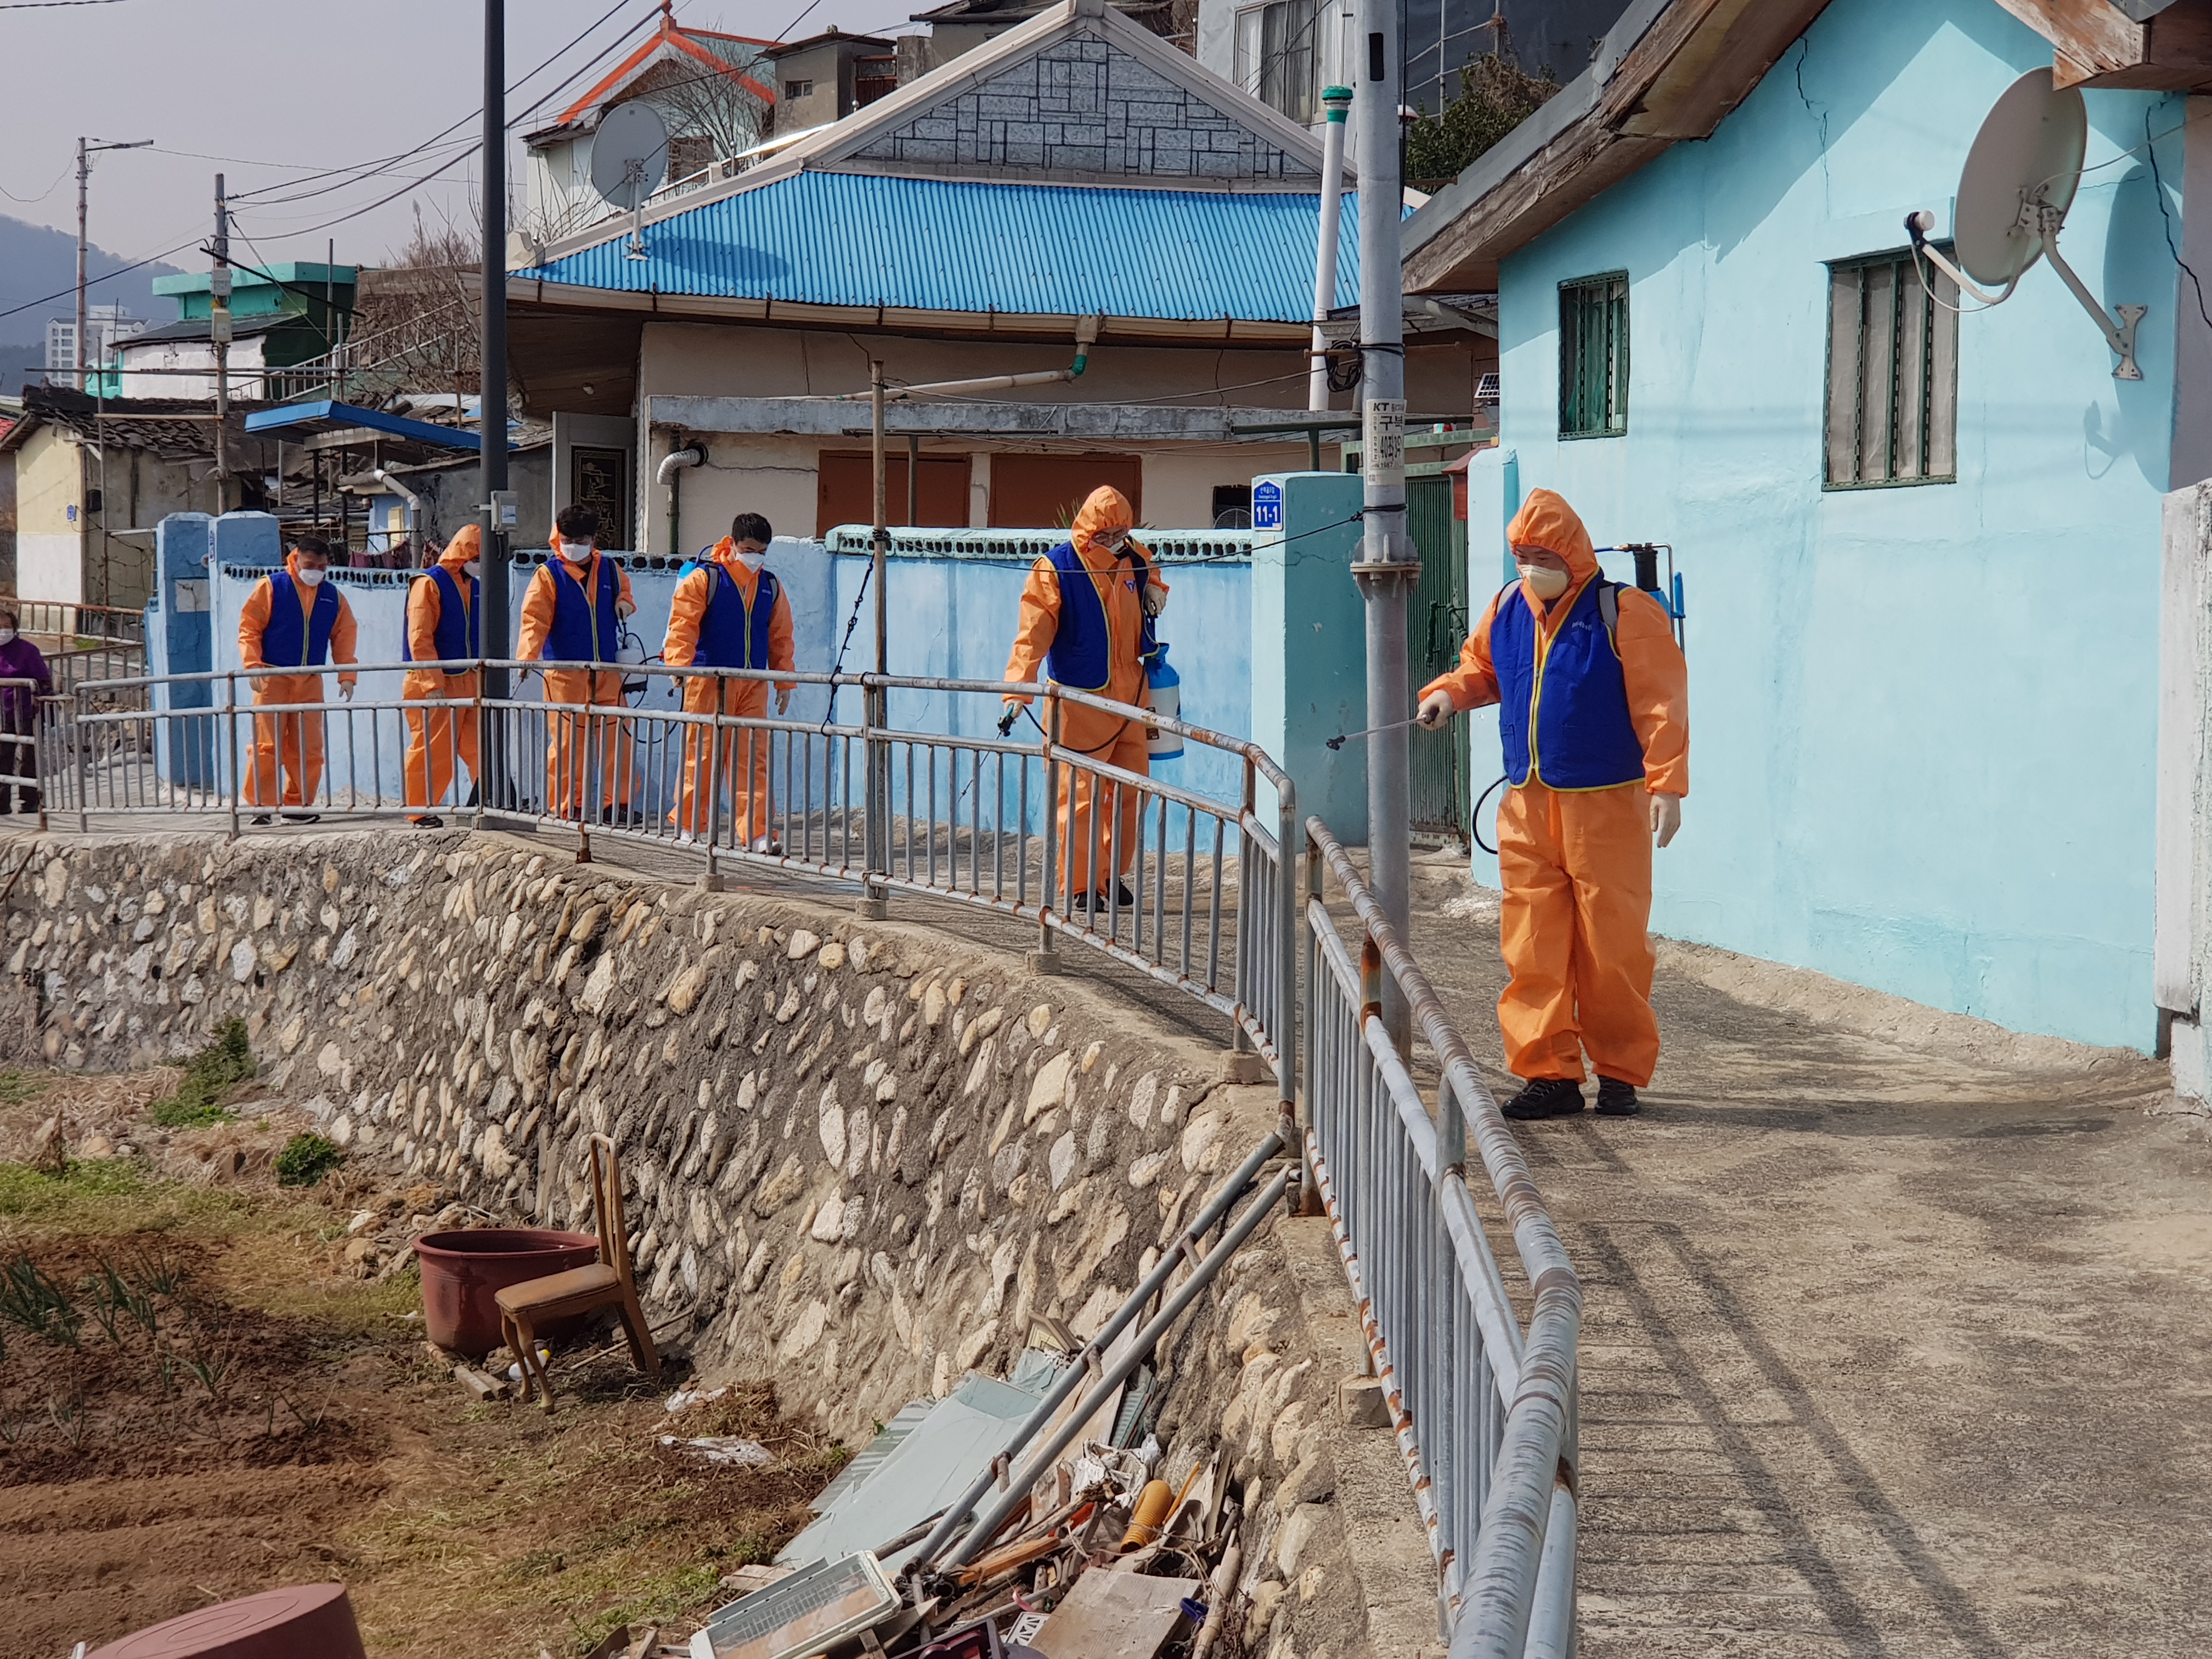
[[671, 463], [1338, 101], [414, 506]]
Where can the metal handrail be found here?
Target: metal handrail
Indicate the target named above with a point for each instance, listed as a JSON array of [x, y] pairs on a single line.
[[1526, 1478], [1483, 1408]]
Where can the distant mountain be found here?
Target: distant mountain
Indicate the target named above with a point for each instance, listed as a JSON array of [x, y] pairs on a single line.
[[17, 362], [35, 262]]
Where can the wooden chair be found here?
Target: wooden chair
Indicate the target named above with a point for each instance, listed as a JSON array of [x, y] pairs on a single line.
[[607, 1283]]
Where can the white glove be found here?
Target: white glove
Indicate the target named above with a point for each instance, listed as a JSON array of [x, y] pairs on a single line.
[[625, 608], [345, 690], [782, 699], [1154, 598], [1436, 709], [1666, 818]]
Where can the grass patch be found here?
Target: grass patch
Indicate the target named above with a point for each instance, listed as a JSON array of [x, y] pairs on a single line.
[[15, 1088], [306, 1159], [26, 1190], [208, 1076]]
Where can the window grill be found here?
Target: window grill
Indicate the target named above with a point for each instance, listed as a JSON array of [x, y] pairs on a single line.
[[1594, 356], [1893, 414]]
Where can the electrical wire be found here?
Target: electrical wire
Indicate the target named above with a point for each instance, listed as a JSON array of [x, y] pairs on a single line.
[[124, 270], [42, 195], [2165, 218]]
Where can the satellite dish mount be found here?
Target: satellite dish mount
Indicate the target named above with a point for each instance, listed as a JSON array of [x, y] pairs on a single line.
[[2018, 183], [629, 154]]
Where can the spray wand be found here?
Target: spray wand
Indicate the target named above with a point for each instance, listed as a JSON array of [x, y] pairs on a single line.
[[1343, 738]]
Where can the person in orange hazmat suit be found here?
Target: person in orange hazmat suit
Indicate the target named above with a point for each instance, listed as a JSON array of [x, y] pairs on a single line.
[[1593, 697], [730, 611], [1086, 615], [573, 613], [442, 626], [293, 619]]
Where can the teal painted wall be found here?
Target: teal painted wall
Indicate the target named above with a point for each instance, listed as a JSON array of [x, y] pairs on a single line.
[[1922, 718]]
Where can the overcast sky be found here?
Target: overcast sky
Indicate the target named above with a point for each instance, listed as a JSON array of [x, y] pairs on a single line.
[[273, 92]]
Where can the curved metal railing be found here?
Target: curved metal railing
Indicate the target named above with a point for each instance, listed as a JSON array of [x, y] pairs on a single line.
[[923, 794]]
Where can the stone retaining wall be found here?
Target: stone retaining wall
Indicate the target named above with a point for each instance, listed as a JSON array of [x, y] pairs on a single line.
[[863, 1157]]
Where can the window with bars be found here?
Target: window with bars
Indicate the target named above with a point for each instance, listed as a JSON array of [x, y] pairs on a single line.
[[1892, 374], [1278, 60], [1594, 356]]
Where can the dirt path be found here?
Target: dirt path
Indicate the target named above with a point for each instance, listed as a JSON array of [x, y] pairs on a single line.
[[264, 1414], [1887, 1350]]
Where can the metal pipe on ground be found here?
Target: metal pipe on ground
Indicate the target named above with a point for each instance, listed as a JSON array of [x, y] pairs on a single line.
[[1017, 1486], [1057, 1392]]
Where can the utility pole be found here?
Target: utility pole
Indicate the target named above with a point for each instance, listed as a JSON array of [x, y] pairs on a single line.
[[86, 150], [492, 422], [1388, 565], [219, 332]]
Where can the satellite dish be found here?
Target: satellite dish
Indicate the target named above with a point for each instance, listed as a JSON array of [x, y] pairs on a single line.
[[629, 153], [2013, 197], [2027, 155]]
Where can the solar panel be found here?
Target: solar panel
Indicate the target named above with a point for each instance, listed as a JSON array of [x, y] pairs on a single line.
[[815, 1608]]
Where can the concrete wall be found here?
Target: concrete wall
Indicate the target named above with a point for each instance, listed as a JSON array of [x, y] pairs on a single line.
[[1924, 716], [49, 518], [777, 476]]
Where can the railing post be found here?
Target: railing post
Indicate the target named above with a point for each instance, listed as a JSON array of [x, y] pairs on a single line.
[[1045, 959], [875, 903], [481, 713], [237, 783], [1370, 978], [712, 881], [1282, 1016], [84, 760]]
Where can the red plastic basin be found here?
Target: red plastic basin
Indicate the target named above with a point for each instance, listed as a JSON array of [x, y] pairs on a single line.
[[463, 1272], [291, 1623]]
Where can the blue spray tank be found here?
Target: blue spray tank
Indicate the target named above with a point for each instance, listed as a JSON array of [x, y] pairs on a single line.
[[1164, 695]]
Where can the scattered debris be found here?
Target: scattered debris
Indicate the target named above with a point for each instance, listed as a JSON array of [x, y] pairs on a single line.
[[684, 1398], [480, 1387], [807, 1613], [722, 1449]]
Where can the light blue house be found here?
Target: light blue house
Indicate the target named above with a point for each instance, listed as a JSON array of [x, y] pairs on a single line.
[[1922, 551]]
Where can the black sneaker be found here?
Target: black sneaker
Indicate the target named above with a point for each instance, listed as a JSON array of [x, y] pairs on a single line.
[[431, 823], [1546, 1096], [1616, 1098], [260, 819], [303, 817]]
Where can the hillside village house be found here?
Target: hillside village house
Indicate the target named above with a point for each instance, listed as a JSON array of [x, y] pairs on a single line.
[[1075, 166], [1923, 551]]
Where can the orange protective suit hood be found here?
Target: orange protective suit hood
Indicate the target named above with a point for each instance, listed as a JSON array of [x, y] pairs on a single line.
[[467, 544], [1545, 520], [1106, 513]]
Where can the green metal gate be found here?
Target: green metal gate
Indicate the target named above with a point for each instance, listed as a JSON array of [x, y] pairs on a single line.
[[1436, 622]]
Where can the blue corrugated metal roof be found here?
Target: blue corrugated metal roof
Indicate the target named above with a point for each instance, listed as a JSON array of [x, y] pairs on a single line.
[[950, 245]]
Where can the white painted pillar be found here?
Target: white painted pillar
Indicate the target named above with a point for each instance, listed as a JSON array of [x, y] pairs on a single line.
[[2183, 826]]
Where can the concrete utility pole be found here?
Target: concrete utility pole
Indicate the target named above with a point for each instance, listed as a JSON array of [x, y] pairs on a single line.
[[219, 333], [1388, 565], [491, 424], [86, 150]]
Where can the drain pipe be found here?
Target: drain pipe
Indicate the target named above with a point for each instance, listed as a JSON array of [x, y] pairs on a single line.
[[1338, 101], [1086, 335], [1016, 1490], [414, 505], [692, 454]]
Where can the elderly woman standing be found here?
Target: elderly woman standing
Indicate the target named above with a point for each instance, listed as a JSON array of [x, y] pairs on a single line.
[[19, 713]]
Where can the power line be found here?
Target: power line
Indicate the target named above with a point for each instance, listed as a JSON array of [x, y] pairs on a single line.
[[42, 195], [50, 5], [151, 259]]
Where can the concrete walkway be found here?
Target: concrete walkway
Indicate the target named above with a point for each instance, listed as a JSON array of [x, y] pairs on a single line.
[[1896, 1330]]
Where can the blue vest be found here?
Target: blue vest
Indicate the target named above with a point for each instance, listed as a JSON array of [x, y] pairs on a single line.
[[284, 643], [457, 625], [1082, 653], [1563, 721], [733, 634], [571, 637]]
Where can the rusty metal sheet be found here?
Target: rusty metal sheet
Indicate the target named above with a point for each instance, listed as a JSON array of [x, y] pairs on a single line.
[[1114, 1615]]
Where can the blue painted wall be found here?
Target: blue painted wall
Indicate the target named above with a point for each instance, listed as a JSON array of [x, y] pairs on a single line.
[[1923, 718]]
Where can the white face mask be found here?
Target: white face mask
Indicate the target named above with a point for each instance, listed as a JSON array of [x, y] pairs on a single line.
[[310, 577], [1545, 582], [576, 552], [473, 570], [7, 636], [753, 558]]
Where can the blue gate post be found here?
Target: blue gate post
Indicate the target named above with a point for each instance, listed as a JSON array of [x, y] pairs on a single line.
[[181, 640], [1309, 643]]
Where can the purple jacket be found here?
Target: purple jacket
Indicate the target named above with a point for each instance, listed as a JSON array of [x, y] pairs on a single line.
[[20, 660]]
